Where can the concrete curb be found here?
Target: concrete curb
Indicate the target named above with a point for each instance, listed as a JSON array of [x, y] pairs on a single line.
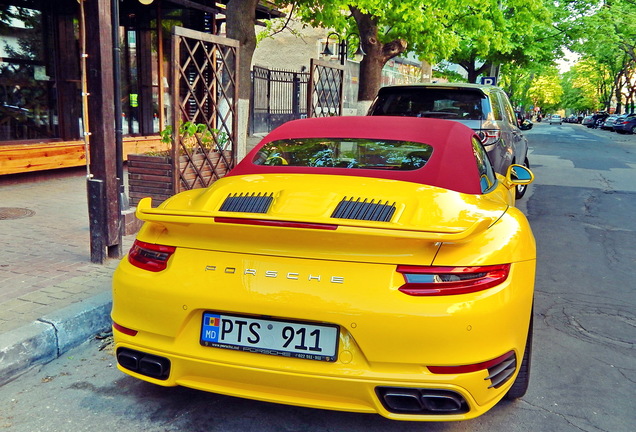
[[51, 336]]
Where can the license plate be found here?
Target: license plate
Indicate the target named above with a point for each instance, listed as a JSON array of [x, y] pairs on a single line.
[[266, 336]]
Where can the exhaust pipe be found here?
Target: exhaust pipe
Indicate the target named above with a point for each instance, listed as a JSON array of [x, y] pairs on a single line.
[[447, 402], [128, 359], [144, 364], [156, 367], [421, 401], [407, 400]]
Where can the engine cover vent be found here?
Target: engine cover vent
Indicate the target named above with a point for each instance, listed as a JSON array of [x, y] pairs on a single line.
[[358, 209], [247, 203]]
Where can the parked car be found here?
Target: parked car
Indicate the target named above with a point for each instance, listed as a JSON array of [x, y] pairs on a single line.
[[484, 108], [526, 124], [555, 119], [597, 120], [351, 263], [608, 124], [588, 121], [626, 124]]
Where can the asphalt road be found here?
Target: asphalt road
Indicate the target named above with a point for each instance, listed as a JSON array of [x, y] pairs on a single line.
[[581, 208]]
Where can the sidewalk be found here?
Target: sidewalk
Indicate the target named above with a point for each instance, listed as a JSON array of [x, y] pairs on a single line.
[[51, 296]]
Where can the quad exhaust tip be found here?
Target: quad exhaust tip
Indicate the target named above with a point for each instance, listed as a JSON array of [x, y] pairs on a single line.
[[421, 401], [144, 364]]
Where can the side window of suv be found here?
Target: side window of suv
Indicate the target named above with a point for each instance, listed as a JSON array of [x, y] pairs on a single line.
[[495, 106], [510, 113], [487, 178]]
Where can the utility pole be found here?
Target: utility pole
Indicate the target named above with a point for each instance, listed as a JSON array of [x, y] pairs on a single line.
[[102, 183]]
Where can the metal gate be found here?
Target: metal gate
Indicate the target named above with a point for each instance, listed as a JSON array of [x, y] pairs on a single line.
[[278, 96], [205, 107], [325, 95]]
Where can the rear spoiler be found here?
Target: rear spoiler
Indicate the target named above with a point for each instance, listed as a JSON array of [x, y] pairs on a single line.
[[163, 216]]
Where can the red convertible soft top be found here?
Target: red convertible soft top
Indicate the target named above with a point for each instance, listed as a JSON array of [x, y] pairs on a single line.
[[452, 164]]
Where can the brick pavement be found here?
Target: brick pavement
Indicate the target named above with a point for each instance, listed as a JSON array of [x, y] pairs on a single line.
[[45, 257]]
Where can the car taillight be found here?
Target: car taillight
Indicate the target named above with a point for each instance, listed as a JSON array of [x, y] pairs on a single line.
[[436, 281], [124, 330], [489, 136], [149, 256], [471, 367]]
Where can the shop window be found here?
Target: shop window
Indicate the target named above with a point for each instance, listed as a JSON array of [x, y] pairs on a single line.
[[28, 101]]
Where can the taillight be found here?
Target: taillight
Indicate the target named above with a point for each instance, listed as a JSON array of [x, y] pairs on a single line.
[[124, 330], [489, 136], [151, 257], [436, 281], [471, 367]]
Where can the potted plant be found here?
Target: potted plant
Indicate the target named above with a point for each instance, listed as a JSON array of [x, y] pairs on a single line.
[[202, 160]]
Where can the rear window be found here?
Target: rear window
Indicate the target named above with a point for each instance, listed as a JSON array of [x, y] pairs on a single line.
[[345, 153], [451, 104]]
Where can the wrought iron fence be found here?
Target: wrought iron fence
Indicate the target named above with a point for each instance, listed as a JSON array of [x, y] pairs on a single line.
[[325, 94], [278, 96]]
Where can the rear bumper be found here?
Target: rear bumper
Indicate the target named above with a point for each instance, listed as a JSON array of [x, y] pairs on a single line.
[[387, 340], [445, 397]]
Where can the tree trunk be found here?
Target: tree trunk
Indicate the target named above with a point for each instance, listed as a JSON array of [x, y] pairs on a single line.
[[377, 54], [241, 19], [472, 71]]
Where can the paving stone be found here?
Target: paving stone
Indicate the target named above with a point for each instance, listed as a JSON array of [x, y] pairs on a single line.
[[39, 297], [45, 268]]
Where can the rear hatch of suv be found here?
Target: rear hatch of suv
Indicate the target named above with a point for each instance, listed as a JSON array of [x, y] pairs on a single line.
[[481, 108], [469, 106]]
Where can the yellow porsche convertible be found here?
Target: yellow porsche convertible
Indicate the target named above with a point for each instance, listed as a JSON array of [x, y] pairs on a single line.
[[364, 264]]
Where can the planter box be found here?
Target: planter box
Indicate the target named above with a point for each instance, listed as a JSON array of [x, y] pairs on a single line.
[[149, 176], [22, 158], [153, 175]]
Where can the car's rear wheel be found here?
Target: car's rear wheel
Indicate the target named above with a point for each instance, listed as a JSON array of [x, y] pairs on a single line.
[[634, 129], [520, 386], [520, 190]]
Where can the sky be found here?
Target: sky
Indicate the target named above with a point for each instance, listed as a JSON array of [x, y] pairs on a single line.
[[567, 61]]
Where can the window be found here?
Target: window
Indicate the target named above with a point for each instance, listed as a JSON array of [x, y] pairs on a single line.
[[452, 104], [495, 107], [510, 114], [487, 178], [345, 153], [28, 102]]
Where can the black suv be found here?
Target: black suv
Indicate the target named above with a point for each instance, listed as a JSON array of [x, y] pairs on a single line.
[[484, 108]]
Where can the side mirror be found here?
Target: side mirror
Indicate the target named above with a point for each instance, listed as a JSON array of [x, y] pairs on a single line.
[[519, 175]]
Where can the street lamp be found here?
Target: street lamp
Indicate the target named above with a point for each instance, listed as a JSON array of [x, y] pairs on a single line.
[[343, 47]]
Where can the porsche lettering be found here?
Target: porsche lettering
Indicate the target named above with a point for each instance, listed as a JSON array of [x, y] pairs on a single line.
[[277, 274]]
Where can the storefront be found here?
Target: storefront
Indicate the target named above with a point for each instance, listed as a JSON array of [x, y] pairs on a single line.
[[41, 98]]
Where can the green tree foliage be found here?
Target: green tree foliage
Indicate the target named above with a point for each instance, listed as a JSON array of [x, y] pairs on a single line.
[[517, 80], [499, 32], [579, 93], [476, 34], [387, 28], [545, 90], [606, 43]]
